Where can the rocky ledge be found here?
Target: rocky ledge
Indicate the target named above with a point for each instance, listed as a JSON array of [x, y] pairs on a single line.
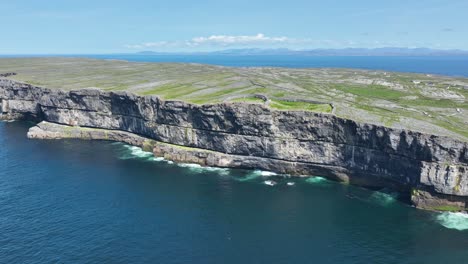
[[432, 169]]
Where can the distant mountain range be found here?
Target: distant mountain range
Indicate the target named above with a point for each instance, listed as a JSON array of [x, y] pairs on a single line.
[[390, 51]]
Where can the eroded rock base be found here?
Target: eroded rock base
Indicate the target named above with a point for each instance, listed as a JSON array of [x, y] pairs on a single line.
[[46, 130], [430, 200], [420, 198]]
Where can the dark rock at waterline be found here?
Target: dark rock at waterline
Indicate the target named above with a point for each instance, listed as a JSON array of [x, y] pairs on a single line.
[[254, 136]]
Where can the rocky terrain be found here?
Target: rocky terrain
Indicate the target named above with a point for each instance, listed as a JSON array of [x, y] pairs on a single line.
[[427, 103], [432, 169]]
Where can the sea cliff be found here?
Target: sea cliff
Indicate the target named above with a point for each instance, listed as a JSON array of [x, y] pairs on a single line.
[[432, 169]]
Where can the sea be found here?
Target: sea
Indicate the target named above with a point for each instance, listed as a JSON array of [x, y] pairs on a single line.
[[456, 66], [74, 201]]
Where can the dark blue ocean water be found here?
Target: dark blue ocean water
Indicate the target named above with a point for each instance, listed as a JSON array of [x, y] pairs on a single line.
[[70, 201], [441, 65]]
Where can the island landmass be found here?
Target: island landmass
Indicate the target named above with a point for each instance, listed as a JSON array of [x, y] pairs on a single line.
[[376, 129]]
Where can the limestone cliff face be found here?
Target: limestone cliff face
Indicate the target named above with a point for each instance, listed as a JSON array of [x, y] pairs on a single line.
[[254, 136]]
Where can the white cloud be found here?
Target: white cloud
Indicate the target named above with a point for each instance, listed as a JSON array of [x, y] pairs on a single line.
[[239, 40], [148, 45], [216, 40], [261, 41]]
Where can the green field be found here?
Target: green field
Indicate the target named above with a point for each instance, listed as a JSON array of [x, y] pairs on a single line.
[[427, 103]]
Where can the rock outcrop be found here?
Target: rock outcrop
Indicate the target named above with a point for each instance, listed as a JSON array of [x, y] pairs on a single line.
[[8, 74], [46, 130], [253, 136]]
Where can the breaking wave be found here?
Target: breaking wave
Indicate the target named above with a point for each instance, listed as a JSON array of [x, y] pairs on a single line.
[[266, 173], [458, 221], [256, 174], [383, 198], [190, 165], [133, 152], [316, 179], [199, 169]]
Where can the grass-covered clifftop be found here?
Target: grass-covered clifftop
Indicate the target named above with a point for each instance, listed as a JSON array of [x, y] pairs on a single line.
[[427, 103]]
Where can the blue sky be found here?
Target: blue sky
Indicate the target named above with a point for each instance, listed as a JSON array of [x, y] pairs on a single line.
[[53, 26]]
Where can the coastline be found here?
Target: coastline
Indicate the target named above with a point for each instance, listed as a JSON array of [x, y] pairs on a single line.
[[432, 169]]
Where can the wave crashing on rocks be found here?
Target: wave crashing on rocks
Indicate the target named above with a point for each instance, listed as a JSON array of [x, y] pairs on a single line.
[[458, 221]]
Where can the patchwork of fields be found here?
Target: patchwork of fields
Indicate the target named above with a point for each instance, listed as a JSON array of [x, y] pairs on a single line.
[[427, 103]]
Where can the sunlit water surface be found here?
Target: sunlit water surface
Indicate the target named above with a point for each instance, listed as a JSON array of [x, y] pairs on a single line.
[[70, 201]]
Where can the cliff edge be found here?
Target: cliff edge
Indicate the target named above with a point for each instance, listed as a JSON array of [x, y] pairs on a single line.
[[432, 169]]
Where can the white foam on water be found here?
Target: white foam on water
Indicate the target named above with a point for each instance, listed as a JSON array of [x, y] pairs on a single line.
[[458, 221], [267, 173], [199, 169], [251, 176], [133, 152], [189, 165], [383, 198], [136, 152], [270, 183], [222, 171], [316, 179]]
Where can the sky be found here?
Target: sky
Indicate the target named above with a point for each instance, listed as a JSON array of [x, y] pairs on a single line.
[[94, 26]]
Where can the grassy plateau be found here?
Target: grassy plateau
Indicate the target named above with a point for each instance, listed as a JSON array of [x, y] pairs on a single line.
[[427, 103]]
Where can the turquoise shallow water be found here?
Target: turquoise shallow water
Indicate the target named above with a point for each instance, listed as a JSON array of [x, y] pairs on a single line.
[[69, 201]]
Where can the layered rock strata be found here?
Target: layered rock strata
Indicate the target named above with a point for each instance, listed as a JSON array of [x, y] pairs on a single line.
[[434, 169]]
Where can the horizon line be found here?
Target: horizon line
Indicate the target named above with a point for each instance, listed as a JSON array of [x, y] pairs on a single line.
[[252, 48]]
